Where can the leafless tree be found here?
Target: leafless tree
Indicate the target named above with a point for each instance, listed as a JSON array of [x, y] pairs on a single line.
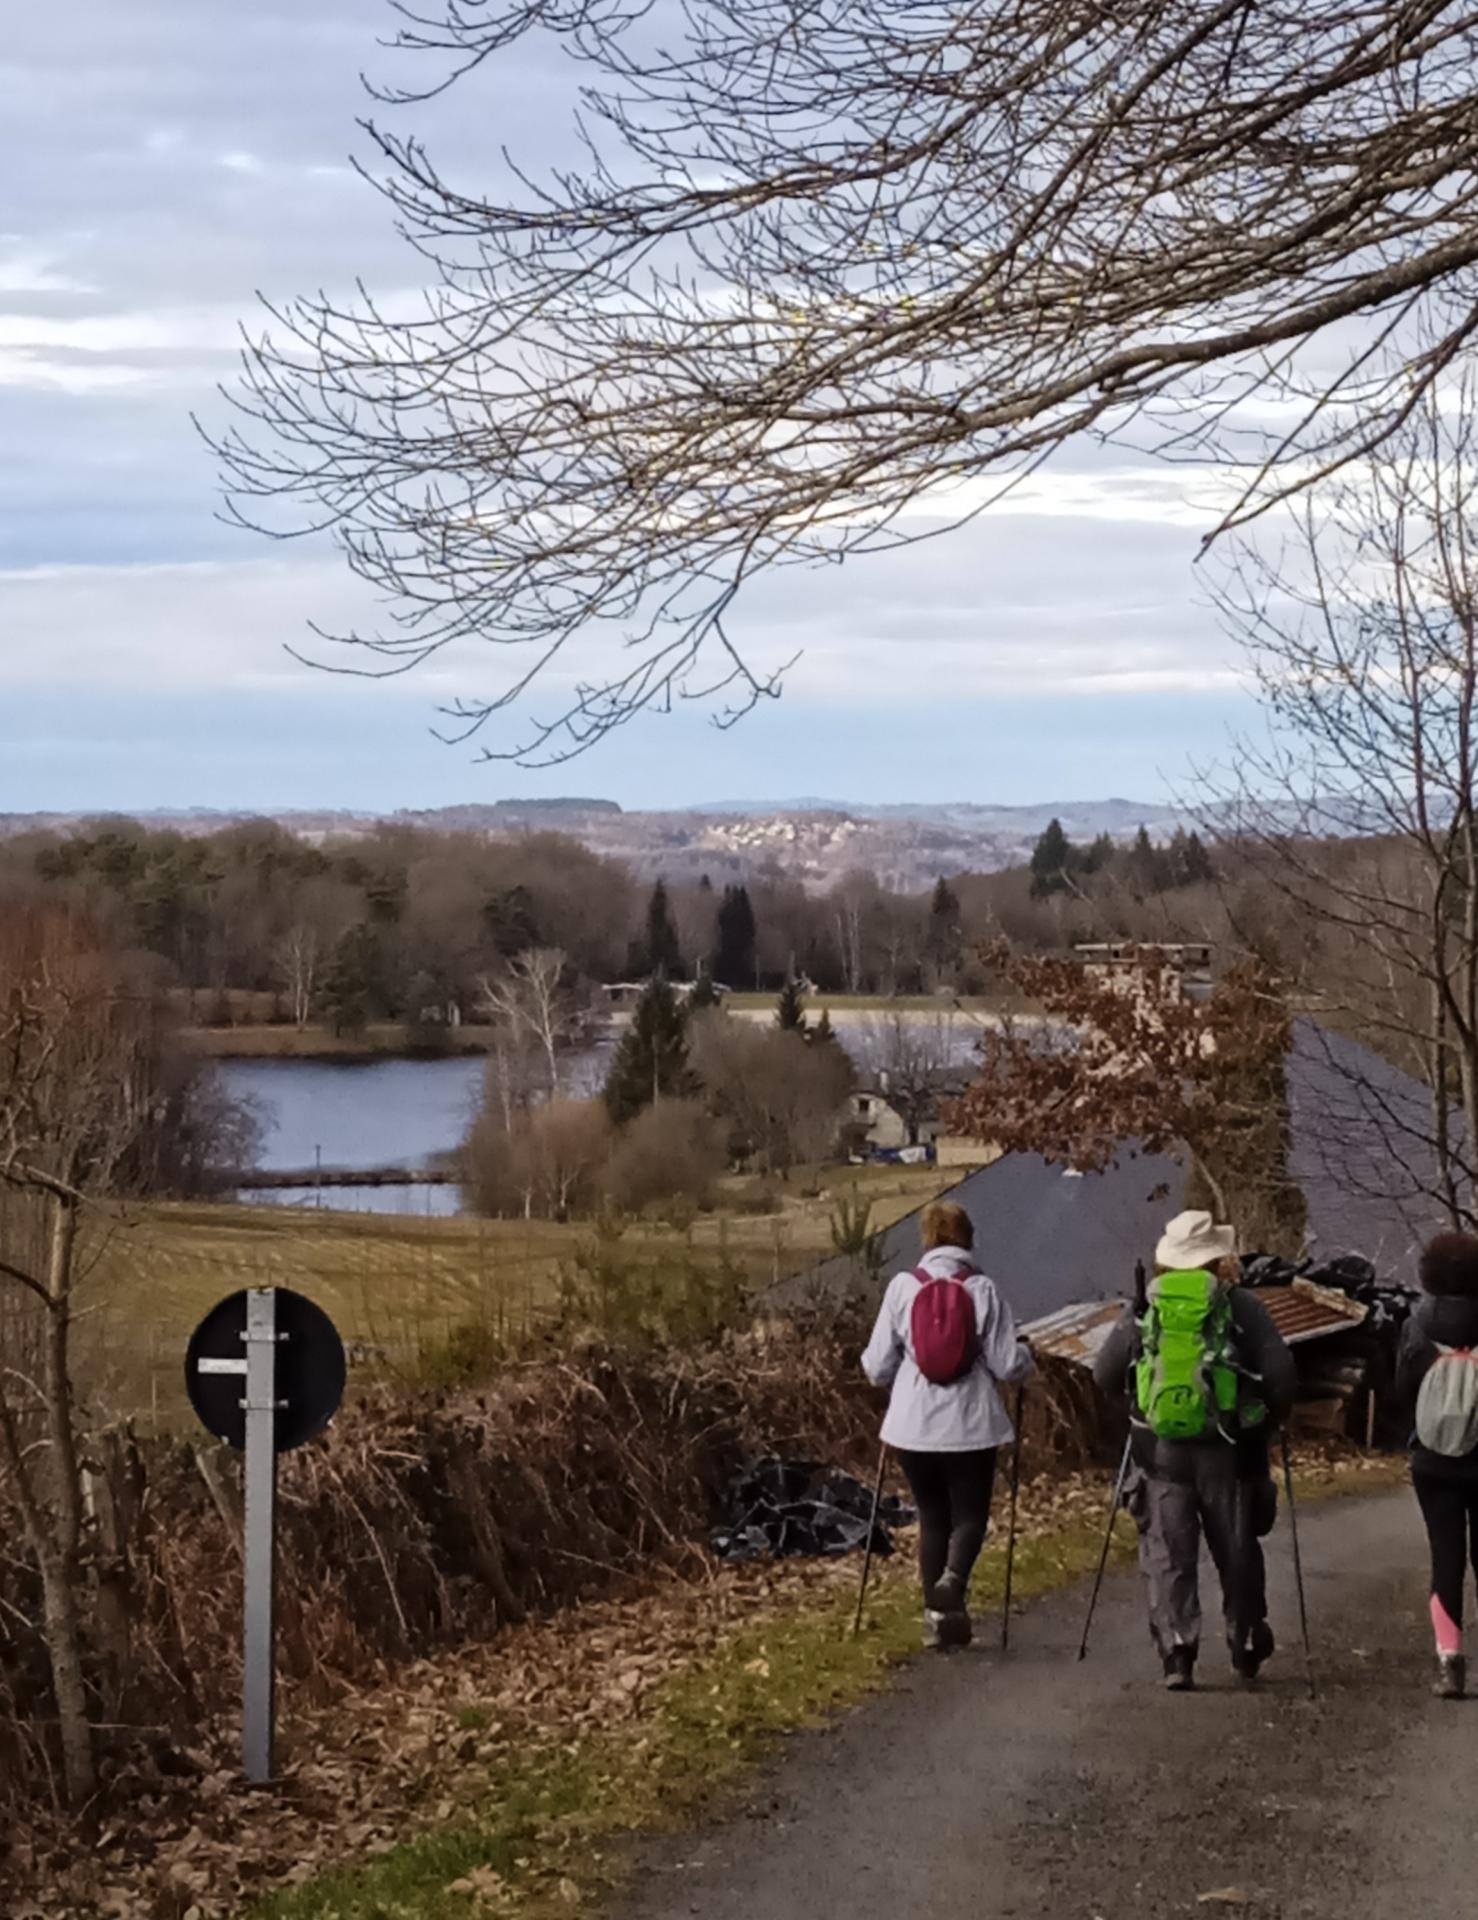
[[534, 1001], [319, 914], [549, 1162], [911, 1056], [1362, 811], [829, 278], [85, 1093]]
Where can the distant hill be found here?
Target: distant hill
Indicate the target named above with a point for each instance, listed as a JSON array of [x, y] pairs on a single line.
[[818, 841]]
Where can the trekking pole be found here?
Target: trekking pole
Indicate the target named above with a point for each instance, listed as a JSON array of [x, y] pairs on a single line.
[[1011, 1530], [1298, 1570], [1141, 1305], [877, 1500], [1108, 1541]]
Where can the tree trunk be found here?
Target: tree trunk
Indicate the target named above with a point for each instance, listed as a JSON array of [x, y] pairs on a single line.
[[63, 1624]]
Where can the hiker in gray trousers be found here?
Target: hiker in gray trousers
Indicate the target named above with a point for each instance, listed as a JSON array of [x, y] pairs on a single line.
[[1220, 1482]]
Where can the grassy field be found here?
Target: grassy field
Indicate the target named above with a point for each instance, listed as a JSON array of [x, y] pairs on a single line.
[[399, 1285]]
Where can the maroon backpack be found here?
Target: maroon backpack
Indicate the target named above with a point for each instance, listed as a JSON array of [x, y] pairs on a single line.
[[946, 1343]]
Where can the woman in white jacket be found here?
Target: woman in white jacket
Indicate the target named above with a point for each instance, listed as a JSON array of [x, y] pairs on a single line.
[[947, 1436]]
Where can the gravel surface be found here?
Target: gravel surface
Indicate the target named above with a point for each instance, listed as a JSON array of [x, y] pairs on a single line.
[[980, 1786]]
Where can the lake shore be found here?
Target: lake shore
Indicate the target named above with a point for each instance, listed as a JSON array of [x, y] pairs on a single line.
[[390, 1040]]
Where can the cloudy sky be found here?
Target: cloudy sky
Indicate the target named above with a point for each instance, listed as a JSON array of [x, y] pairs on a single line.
[[162, 161]]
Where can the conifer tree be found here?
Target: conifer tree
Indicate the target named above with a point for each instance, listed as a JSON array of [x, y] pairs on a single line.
[[942, 941], [1051, 861], [734, 960], [662, 952], [705, 994], [651, 1061], [790, 1008]]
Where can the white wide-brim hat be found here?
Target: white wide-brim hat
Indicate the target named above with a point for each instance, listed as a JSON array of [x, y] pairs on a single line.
[[1194, 1240]]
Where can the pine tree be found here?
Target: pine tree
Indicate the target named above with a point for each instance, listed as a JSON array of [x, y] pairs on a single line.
[[651, 1062], [823, 1034], [1100, 855], [1149, 866], [704, 995], [348, 982], [1198, 867], [1051, 861], [790, 1008], [662, 952], [734, 960], [942, 941]]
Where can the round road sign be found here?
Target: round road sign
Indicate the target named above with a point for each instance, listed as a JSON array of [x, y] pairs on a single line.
[[310, 1370]]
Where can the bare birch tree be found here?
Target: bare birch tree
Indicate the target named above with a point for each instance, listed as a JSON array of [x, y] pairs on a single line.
[[827, 276], [1362, 811], [534, 1001]]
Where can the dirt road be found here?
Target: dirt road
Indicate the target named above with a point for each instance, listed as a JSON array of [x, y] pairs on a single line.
[[1031, 1786]]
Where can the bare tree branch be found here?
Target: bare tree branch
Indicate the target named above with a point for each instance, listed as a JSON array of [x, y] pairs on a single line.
[[831, 276]]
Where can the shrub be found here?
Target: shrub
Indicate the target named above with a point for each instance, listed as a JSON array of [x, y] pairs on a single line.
[[779, 1098], [545, 1162], [671, 1151]]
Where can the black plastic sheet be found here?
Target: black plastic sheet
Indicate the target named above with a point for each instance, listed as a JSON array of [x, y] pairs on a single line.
[[784, 1508], [1349, 1273]]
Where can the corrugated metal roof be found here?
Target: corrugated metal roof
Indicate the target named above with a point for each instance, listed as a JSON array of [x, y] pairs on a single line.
[[1306, 1312], [1075, 1333], [1300, 1312]]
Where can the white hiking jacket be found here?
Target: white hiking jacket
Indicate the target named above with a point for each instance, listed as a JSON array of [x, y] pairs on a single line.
[[970, 1413]]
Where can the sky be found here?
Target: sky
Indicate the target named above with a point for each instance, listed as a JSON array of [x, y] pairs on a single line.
[[165, 161]]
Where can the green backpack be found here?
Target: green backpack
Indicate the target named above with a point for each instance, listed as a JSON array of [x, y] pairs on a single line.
[[1185, 1379]]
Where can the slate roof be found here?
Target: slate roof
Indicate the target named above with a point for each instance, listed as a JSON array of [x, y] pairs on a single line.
[[1053, 1238]]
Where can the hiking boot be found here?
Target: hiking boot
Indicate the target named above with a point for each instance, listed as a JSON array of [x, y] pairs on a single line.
[[946, 1630], [957, 1630], [1250, 1659], [1452, 1677], [1180, 1670], [949, 1594]]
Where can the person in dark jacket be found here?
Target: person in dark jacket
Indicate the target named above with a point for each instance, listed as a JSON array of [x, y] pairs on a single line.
[[1446, 1487], [1220, 1484]]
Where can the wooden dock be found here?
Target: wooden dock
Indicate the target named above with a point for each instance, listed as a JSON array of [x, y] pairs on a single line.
[[262, 1180]]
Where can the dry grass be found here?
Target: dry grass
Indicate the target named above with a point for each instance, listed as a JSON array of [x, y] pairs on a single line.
[[398, 1285], [379, 1041]]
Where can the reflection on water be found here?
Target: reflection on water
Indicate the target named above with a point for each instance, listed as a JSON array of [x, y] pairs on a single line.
[[437, 1203], [372, 1113]]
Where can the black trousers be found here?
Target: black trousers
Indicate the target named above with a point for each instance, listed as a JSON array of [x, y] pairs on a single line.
[[1450, 1509], [952, 1492]]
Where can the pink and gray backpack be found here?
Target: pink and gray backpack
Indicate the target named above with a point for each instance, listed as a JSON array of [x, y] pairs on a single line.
[[946, 1343]]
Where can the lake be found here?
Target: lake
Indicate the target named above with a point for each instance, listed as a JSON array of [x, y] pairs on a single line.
[[354, 1114]]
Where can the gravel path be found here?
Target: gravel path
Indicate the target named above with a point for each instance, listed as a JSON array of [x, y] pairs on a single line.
[[980, 1787]]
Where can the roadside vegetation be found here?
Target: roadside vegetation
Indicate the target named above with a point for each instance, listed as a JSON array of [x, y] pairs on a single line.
[[409, 1293]]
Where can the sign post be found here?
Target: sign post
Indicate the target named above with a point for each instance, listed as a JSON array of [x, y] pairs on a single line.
[[287, 1356], [259, 1663]]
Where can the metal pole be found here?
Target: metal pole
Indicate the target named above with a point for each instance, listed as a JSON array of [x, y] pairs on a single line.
[[1011, 1532], [1298, 1570], [258, 1638], [1108, 1540], [877, 1498]]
